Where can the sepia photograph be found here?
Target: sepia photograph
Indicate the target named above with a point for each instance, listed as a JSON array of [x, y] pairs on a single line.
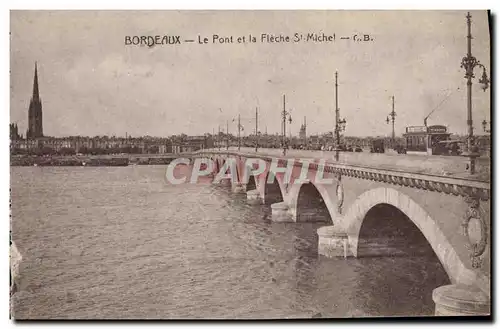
[[250, 164]]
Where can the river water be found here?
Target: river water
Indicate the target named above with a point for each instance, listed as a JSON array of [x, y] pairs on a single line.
[[121, 243]]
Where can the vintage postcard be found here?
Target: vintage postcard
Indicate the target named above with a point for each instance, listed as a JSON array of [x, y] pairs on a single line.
[[250, 164]]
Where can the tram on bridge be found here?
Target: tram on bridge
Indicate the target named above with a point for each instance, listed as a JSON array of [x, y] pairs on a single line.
[[431, 140]]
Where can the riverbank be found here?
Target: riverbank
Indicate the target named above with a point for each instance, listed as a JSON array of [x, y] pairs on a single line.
[[90, 161]]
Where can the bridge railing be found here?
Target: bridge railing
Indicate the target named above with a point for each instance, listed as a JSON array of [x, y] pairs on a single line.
[[448, 166]]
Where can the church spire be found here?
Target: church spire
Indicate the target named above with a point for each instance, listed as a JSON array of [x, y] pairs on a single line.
[[35, 117], [35, 85]]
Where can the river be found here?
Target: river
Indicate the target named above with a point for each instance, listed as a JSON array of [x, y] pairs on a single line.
[[121, 243]]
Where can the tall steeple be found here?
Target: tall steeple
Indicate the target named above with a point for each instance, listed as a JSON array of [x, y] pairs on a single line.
[[35, 85], [35, 119]]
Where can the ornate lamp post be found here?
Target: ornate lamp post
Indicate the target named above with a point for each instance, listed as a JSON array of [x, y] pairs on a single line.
[[285, 115], [469, 62], [340, 124], [393, 116]]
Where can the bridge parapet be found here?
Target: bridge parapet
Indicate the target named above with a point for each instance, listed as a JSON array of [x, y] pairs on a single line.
[[448, 166], [457, 185]]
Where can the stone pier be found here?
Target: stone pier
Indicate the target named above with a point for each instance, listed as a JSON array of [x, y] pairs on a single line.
[[333, 242], [280, 212], [460, 300], [239, 188], [226, 182], [253, 197]]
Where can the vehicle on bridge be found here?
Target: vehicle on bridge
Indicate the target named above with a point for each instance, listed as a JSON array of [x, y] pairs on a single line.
[[401, 149], [431, 140], [378, 146], [449, 147]]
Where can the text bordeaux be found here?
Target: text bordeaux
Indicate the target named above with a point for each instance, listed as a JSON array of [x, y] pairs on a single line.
[[151, 41]]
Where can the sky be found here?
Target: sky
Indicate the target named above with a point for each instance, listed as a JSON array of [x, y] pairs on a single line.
[[92, 83]]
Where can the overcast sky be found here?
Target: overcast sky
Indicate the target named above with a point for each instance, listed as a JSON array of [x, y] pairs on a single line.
[[91, 83]]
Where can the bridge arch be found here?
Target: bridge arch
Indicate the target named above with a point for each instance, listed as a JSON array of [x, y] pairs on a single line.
[[251, 184], [273, 192], [218, 163], [298, 190], [354, 217]]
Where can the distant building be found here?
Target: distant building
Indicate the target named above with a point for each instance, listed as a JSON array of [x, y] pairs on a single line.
[[220, 140], [314, 142], [14, 132], [35, 122], [24, 144], [56, 144], [302, 132], [163, 148], [190, 143]]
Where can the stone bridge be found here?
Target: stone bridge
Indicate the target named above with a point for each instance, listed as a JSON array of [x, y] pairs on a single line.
[[450, 208]]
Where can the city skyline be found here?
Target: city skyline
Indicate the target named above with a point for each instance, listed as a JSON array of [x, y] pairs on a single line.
[[92, 84]]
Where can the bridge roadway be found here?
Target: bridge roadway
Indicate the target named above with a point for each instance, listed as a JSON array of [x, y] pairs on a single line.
[[450, 207], [446, 166]]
